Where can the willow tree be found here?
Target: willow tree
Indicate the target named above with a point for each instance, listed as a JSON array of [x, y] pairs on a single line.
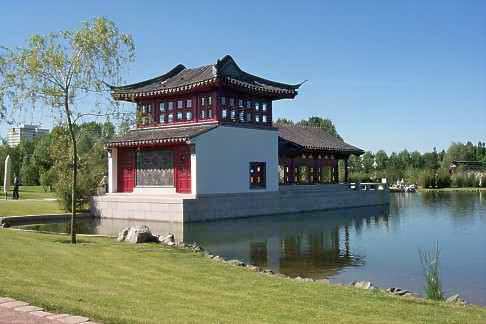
[[64, 70]]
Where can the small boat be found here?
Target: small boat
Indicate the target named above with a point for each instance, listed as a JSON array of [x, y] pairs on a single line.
[[403, 188]]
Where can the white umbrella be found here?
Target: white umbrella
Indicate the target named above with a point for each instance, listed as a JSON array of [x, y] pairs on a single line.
[[6, 178]]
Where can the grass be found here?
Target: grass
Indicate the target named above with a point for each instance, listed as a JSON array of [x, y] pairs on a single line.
[[30, 192], [30, 203], [148, 283], [466, 189], [28, 207]]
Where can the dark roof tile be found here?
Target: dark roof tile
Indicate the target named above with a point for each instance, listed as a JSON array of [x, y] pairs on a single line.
[[225, 70], [315, 138], [160, 135]]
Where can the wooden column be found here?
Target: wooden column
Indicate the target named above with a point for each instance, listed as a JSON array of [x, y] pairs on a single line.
[[346, 171], [335, 173]]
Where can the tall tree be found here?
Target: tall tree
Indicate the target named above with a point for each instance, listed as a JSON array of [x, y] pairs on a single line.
[[284, 121], [59, 67], [381, 160], [323, 123], [368, 160]]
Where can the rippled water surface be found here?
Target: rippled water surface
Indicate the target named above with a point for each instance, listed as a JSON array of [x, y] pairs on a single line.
[[377, 244]]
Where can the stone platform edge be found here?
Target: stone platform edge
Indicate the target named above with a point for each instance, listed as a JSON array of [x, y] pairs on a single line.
[[239, 205]]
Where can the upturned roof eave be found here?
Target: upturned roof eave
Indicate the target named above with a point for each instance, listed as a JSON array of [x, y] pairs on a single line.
[[241, 79]]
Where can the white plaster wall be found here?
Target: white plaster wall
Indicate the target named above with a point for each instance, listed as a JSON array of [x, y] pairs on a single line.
[[112, 170], [223, 157], [193, 170]]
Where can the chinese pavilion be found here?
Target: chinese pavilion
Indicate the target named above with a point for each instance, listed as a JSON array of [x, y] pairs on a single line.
[[209, 130]]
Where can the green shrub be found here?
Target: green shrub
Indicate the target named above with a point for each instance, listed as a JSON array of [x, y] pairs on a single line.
[[469, 180], [412, 175], [443, 179], [359, 177], [426, 179], [458, 180], [431, 268]]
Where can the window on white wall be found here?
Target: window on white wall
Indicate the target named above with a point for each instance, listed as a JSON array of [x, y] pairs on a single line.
[[258, 175]]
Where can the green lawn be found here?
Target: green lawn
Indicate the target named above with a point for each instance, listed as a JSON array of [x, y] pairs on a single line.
[[28, 207], [30, 203], [122, 283], [30, 192]]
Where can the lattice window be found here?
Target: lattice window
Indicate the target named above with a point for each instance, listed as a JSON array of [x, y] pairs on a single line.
[[155, 168]]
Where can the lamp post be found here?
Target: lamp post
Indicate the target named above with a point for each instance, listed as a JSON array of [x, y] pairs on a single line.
[[6, 178]]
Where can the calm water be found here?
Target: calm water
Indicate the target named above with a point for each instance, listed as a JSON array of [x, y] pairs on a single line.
[[376, 244]]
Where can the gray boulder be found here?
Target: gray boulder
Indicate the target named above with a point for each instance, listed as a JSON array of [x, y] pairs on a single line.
[[323, 281], [217, 258], [237, 263], [169, 239], [397, 291], [455, 299], [123, 234], [363, 284], [252, 268], [139, 234]]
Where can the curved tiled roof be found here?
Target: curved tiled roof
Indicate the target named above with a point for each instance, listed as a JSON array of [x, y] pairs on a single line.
[[225, 71], [315, 139], [151, 136]]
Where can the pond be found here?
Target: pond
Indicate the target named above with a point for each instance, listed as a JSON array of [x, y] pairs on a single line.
[[379, 244]]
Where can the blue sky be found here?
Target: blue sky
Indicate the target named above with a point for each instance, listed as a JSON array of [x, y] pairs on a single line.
[[390, 74]]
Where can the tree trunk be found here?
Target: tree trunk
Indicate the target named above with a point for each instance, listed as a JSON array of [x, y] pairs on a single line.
[[74, 158]]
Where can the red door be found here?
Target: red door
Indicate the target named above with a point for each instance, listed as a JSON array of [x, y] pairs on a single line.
[[126, 170], [183, 169]]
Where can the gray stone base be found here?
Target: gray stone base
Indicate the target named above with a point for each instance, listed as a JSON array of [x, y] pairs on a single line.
[[189, 208]]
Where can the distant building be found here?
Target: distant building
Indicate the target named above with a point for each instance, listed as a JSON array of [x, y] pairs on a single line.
[[476, 167], [24, 133]]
